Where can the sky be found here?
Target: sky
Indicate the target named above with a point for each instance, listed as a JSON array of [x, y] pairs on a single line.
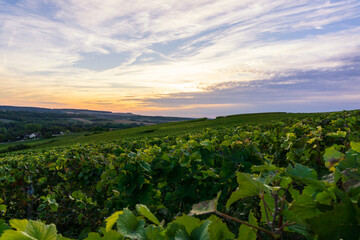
[[181, 58]]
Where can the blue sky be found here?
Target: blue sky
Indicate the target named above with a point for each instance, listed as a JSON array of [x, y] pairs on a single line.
[[181, 58]]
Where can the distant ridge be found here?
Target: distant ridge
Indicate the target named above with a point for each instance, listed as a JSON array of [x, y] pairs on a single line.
[[98, 114], [52, 110]]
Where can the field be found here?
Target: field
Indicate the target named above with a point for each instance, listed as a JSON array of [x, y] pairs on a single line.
[[159, 130], [250, 176]]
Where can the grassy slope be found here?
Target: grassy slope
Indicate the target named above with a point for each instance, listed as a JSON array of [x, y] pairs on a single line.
[[159, 130]]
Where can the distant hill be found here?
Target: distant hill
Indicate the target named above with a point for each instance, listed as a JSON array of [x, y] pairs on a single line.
[[100, 115], [18, 124], [48, 110]]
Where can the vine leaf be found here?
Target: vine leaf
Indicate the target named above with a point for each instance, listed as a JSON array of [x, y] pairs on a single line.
[[154, 233], [218, 229], [110, 221], [14, 235], [39, 230], [201, 232], [143, 210], [182, 235], [93, 236], [246, 232], [190, 223], [332, 156], [337, 224], [247, 187], [19, 225], [308, 176], [355, 146], [130, 226], [3, 226]]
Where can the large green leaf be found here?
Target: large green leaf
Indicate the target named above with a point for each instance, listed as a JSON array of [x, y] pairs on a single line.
[[270, 203], [247, 187], [15, 235], [19, 225], [302, 208], [182, 235], [246, 232], [172, 229], [355, 146], [110, 221], [190, 223], [201, 232], [332, 156], [112, 235], [305, 175], [266, 167], [93, 236], [143, 210], [218, 229], [154, 233], [301, 172], [340, 223], [108, 235], [3, 226], [40, 231], [130, 226], [301, 229]]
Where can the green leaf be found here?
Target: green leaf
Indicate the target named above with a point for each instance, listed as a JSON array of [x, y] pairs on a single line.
[[15, 235], [112, 235], [40, 231], [323, 198], [190, 223], [294, 193], [172, 229], [201, 232], [337, 224], [60, 237], [301, 229], [130, 226], [247, 187], [143, 210], [154, 233], [19, 225], [332, 156], [182, 235], [218, 229], [355, 146], [146, 166], [285, 181], [306, 175], [300, 171], [302, 208], [263, 168], [94, 236], [246, 232], [110, 221], [270, 202], [2, 208], [3, 226]]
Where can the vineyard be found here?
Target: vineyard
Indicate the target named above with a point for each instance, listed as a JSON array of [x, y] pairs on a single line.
[[288, 178]]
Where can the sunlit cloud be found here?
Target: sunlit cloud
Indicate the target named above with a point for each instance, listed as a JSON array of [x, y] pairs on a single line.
[[95, 54]]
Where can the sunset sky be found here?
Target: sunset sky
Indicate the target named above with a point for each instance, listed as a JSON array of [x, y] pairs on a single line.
[[181, 58]]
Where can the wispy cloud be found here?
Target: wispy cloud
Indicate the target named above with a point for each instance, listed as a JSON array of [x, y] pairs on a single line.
[[298, 91], [90, 50]]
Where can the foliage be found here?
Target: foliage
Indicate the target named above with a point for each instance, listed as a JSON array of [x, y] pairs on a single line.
[[294, 178]]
